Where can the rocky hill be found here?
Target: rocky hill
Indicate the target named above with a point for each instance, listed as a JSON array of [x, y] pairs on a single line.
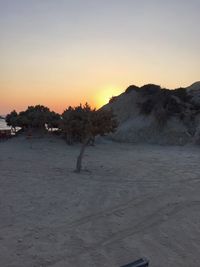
[[157, 115]]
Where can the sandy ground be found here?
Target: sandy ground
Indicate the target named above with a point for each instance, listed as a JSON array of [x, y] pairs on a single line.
[[132, 201]]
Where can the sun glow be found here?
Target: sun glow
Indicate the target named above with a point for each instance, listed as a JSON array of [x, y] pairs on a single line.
[[105, 94]]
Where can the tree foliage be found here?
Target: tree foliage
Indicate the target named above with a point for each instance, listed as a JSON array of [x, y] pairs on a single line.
[[12, 120], [83, 124], [78, 124], [34, 117], [53, 121], [164, 104]]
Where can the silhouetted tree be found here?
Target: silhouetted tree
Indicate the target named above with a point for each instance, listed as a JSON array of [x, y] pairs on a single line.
[[12, 120], [34, 117], [99, 122], [73, 123], [53, 120], [82, 124], [23, 120], [37, 116]]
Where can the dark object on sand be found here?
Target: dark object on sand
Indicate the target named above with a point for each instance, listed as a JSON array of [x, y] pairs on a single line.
[[138, 263]]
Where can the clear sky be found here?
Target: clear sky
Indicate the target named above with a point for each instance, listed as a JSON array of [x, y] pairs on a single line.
[[62, 52]]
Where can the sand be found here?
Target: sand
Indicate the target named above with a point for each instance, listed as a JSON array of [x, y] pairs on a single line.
[[131, 201]]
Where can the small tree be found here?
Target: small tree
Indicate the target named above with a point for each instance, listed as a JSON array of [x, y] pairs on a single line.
[[37, 116], [23, 120], [83, 124], [34, 117], [98, 122], [53, 120], [12, 120]]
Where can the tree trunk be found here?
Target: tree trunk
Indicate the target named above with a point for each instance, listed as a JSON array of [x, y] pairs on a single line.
[[80, 157], [91, 141]]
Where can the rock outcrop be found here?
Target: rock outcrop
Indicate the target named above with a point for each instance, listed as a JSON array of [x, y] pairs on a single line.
[[154, 115]]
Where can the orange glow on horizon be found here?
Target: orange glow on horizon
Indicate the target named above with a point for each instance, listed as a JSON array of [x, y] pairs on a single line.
[[59, 55], [105, 94], [59, 103]]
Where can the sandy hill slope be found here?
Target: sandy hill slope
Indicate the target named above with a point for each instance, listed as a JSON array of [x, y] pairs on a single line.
[[152, 114]]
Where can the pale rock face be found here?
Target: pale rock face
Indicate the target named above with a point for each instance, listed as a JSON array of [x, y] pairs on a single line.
[[125, 106], [137, 128], [144, 129]]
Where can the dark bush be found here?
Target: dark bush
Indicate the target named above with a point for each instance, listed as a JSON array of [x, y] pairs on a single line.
[[150, 89], [131, 88], [182, 94], [113, 99], [164, 103], [146, 107]]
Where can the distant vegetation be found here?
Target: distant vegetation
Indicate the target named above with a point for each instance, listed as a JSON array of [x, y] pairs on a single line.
[[131, 88], [33, 118], [77, 124], [164, 103], [113, 99]]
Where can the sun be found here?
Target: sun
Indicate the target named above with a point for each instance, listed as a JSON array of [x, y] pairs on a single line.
[[105, 94]]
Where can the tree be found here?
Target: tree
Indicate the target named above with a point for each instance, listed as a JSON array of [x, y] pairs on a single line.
[[83, 124], [37, 116], [74, 121], [54, 120], [34, 117], [12, 120], [23, 120], [99, 122]]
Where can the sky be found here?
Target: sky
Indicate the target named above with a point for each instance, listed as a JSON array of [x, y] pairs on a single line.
[[65, 52]]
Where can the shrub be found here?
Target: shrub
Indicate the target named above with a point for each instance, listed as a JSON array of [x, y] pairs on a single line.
[[131, 88], [113, 99], [82, 124], [150, 89]]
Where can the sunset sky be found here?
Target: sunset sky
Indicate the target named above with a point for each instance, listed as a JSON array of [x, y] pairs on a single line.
[[63, 52]]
